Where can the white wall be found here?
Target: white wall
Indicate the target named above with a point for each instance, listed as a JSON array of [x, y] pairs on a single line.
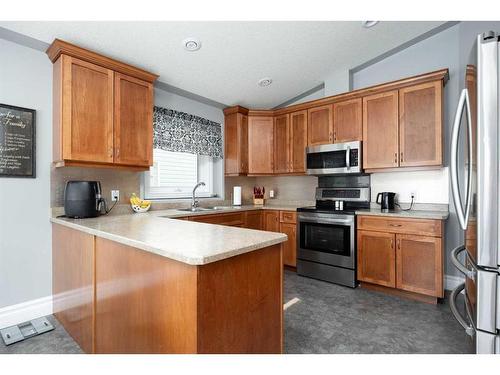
[[313, 96], [25, 233], [337, 82], [429, 187]]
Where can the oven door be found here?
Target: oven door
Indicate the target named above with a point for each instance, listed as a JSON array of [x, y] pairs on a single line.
[[327, 239], [339, 158]]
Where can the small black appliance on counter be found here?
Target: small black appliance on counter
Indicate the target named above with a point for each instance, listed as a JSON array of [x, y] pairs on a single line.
[[387, 202], [83, 199]]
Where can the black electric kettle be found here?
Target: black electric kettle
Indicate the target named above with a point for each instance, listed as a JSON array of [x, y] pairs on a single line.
[[387, 201]]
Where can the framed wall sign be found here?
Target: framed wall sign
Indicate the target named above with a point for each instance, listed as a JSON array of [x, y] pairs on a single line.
[[17, 141]]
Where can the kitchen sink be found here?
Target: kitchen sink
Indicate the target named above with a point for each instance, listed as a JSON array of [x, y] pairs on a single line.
[[196, 209], [221, 208]]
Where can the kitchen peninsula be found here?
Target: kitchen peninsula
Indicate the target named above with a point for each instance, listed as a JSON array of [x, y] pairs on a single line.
[[151, 284]]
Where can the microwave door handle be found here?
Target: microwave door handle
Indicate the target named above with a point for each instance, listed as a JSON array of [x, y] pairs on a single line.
[[469, 328], [348, 157], [454, 161]]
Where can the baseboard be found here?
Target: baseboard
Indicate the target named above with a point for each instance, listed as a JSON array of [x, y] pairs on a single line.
[[22, 312], [451, 282]]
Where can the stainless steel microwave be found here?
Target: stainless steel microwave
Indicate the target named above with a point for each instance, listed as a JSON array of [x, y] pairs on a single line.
[[336, 158]]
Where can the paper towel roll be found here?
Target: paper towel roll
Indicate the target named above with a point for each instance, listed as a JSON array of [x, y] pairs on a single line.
[[236, 195]]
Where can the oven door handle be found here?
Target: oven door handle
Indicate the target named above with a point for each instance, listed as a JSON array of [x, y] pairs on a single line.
[[471, 274], [469, 328], [326, 221], [348, 157]]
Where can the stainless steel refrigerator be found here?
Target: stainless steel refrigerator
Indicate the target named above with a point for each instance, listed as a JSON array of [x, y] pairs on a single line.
[[474, 167]]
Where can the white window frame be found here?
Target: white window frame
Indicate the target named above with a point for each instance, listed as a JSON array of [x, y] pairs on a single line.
[[204, 172]]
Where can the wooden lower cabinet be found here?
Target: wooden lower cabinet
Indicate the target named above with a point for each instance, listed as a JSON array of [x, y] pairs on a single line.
[[411, 263], [271, 220], [114, 298], [376, 258], [253, 219], [290, 246], [419, 264], [233, 219]]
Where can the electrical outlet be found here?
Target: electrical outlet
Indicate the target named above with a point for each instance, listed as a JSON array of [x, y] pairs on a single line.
[[115, 195], [413, 195]]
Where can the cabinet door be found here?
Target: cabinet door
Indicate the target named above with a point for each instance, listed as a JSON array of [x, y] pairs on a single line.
[[298, 141], [87, 111], [376, 258], [281, 144], [419, 264], [290, 246], [420, 125], [380, 130], [347, 121], [271, 221], [260, 145], [235, 144], [253, 220], [320, 125], [133, 133]]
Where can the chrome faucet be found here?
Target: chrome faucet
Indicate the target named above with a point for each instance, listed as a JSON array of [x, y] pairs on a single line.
[[194, 202]]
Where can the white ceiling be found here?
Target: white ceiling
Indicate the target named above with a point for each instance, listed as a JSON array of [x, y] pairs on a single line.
[[234, 55]]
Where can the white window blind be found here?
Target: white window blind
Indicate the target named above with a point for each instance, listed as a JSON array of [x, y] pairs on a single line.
[[174, 174]]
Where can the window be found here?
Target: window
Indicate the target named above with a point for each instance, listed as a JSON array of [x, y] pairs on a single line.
[[174, 174]]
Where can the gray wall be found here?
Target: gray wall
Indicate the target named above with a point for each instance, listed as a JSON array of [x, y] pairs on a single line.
[[25, 233]]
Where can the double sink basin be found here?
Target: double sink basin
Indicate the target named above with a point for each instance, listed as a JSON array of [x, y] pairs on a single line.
[[208, 209]]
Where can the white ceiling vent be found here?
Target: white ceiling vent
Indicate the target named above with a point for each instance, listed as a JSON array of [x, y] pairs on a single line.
[[368, 24]]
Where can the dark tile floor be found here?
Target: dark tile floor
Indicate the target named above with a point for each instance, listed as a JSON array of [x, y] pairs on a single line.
[[334, 319], [330, 319]]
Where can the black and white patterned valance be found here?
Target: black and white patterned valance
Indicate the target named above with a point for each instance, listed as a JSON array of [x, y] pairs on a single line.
[[182, 132]]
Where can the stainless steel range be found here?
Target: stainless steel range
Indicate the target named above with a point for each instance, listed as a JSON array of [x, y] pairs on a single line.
[[326, 240]]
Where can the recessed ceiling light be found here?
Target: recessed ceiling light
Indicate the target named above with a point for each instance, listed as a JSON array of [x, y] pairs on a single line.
[[263, 82], [191, 44], [368, 24]]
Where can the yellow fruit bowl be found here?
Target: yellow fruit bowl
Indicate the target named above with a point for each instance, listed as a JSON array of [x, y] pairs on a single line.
[[140, 209]]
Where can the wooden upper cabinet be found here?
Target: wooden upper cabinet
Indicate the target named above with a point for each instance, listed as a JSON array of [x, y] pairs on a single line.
[[298, 141], [380, 130], [348, 121], [420, 125], [260, 145], [102, 110], [83, 111], [133, 133], [320, 125], [235, 144], [376, 258], [419, 264], [282, 144]]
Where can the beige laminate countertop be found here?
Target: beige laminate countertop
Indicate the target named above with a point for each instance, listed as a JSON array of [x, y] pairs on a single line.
[[412, 214], [185, 241]]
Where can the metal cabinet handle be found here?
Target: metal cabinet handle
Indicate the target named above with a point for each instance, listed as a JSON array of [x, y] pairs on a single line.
[[331, 137], [471, 274], [392, 244], [469, 328], [396, 157], [401, 158], [395, 225], [399, 244], [462, 214]]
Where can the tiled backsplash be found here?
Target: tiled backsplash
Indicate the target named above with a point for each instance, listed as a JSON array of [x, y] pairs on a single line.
[[127, 182]]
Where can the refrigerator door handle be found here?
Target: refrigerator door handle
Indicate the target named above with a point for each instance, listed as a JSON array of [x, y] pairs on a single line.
[[471, 274], [463, 215], [469, 328]]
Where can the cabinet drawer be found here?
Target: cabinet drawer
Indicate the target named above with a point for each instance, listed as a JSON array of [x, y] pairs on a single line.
[[421, 227], [288, 217], [231, 219]]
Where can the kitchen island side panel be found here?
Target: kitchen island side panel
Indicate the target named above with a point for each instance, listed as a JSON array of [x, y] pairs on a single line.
[[240, 303], [145, 303], [73, 259]]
